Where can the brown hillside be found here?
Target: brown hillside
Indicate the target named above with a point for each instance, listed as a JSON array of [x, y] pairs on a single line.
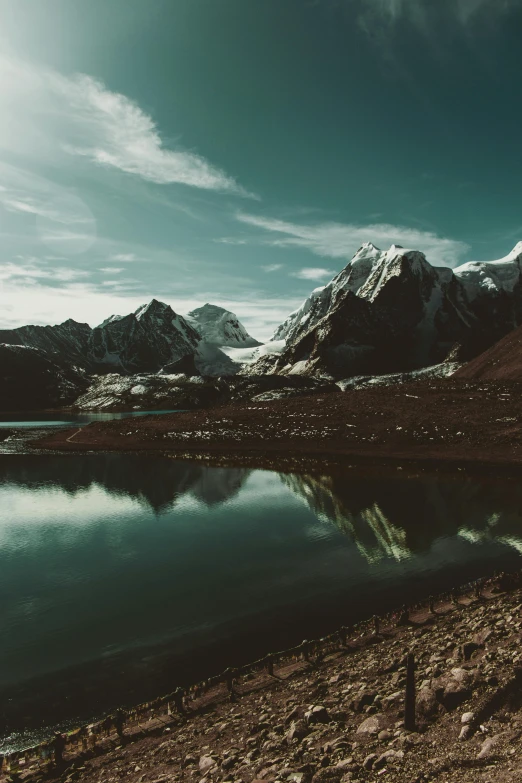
[[501, 362]]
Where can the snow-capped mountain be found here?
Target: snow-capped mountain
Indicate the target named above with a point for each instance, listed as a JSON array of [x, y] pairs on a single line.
[[150, 339], [392, 311], [218, 326], [69, 340], [143, 341]]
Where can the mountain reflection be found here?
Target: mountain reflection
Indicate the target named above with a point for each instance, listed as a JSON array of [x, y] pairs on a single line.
[[157, 482], [396, 518]]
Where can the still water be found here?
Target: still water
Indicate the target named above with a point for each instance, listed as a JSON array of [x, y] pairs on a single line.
[[122, 576]]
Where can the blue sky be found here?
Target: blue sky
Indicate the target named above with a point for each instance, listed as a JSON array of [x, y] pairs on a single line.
[[240, 151]]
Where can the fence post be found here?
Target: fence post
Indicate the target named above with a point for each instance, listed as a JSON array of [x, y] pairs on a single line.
[[409, 702], [230, 675], [270, 665], [178, 700], [376, 625], [305, 646]]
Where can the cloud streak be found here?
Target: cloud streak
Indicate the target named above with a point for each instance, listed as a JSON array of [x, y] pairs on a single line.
[[341, 240], [314, 273], [79, 115], [422, 13]]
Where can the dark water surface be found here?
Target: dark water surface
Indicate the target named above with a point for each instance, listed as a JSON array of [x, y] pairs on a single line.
[[122, 576]]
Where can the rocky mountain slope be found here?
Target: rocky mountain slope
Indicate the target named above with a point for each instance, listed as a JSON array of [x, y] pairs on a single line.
[[501, 362], [152, 338], [393, 312], [182, 392], [29, 379], [218, 326]]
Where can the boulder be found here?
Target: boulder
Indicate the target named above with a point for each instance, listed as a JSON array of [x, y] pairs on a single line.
[[372, 725]]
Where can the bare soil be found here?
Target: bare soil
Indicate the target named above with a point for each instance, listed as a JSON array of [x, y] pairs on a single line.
[[339, 718], [502, 362], [443, 422]]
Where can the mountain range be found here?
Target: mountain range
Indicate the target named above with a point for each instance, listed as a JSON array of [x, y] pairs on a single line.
[[151, 339], [392, 311], [385, 312]]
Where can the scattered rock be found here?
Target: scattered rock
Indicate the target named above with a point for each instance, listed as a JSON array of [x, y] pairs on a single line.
[[488, 747], [298, 730], [387, 757], [372, 725], [206, 763], [328, 775]]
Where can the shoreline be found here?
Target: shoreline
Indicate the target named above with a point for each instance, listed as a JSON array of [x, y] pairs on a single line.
[[439, 425], [364, 658]]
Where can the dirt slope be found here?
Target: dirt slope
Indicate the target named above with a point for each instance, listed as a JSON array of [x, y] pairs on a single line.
[[501, 362]]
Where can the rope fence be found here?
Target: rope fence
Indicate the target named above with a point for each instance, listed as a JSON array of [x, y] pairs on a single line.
[[177, 706]]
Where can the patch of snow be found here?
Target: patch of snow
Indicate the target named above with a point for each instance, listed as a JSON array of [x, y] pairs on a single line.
[[443, 370]]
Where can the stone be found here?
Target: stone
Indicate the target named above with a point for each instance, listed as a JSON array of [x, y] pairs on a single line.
[[206, 763], [328, 775], [463, 676], [362, 700], [468, 649], [345, 763], [372, 725], [427, 704], [369, 761], [319, 714], [298, 730], [465, 733], [229, 762], [387, 757], [488, 746], [467, 717], [482, 637], [384, 735]]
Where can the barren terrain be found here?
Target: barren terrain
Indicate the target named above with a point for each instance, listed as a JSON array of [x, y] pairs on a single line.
[[338, 717], [438, 422]]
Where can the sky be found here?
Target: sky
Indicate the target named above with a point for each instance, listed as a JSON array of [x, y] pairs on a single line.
[[239, 152]]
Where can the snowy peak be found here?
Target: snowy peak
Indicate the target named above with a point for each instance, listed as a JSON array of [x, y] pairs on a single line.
[[492, 276], [392, 311], [218, 326], [154, 309]]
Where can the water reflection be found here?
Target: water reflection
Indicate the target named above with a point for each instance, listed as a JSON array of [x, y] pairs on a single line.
[[389, 518], [122, 575]]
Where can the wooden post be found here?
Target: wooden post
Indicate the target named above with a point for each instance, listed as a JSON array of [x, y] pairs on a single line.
[[306, 650], [270, 665], [409, 702], [178, 700], [376, 625]]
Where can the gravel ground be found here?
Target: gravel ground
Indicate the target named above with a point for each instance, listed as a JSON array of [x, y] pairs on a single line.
[[339, 719], [439, 422]]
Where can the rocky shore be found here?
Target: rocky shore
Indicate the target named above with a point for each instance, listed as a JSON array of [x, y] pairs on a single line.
[[436, 422], [337, 715]]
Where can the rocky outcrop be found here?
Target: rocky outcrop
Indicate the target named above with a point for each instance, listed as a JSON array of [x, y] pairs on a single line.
[[392, 312], [29, 379]]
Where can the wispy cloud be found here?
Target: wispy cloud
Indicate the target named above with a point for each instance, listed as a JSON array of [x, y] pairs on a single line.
[[231, 241], [83, 117], [28, 270], [272, 267], [124, 257], [313, 273], [341, 240], [422, 13], [111, 270]]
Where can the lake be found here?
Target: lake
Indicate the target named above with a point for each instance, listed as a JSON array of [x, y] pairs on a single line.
[[122, 576]]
